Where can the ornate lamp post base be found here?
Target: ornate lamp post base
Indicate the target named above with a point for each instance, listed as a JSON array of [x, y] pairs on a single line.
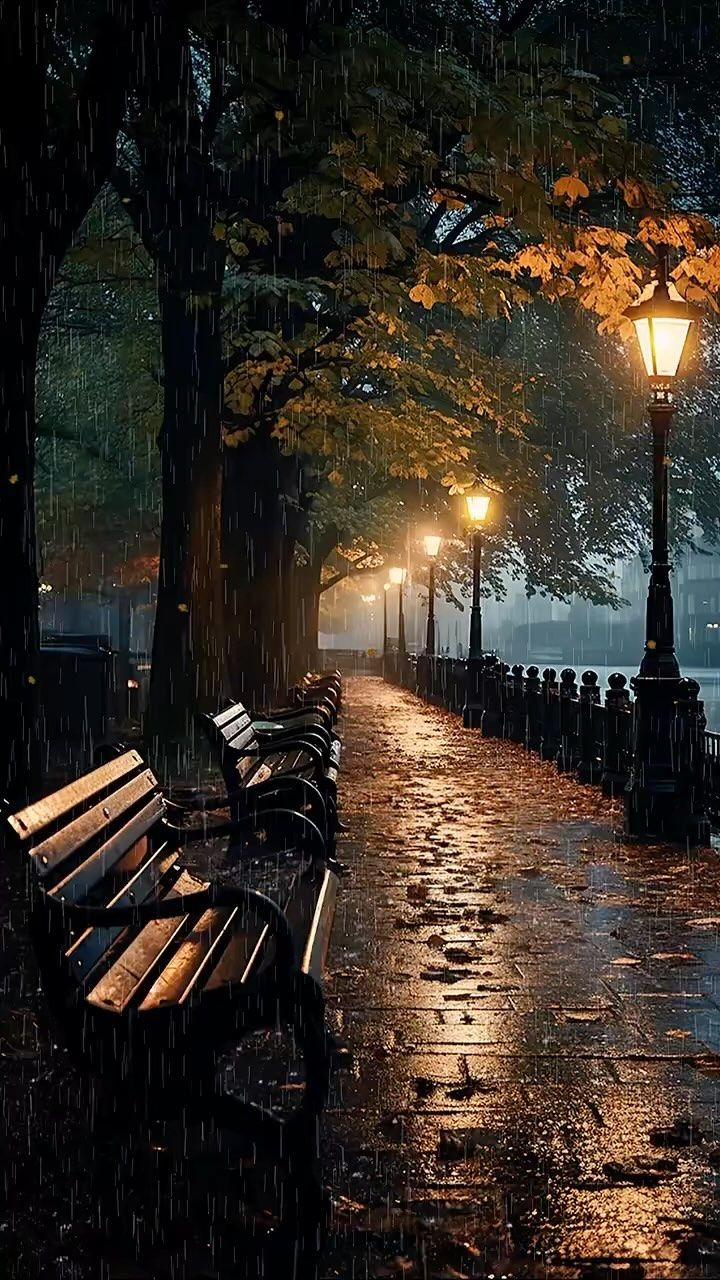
[[663, 799]]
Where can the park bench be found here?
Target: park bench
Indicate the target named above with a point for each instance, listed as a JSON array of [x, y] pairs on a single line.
[[318, 691], [292, 768], [150, 969]]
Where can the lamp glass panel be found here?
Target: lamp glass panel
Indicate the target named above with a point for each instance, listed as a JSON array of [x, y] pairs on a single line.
[[662, 341], [477, 506], [397, 577], [669, 339], [432, 544]]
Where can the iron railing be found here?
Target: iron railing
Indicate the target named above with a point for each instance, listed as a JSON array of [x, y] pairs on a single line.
[[586, 730]]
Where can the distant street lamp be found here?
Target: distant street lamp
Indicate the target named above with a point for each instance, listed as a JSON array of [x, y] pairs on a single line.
[[432, 547], [370, 600], [477, 503], [655, 805], [397, 578]]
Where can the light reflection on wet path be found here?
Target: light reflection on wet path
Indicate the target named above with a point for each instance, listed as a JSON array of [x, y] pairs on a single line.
[[532, 1011]]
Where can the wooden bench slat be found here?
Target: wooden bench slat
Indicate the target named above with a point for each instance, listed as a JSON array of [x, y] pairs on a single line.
[[195, 955], [57, 848], [93, 944], [91, 871], [134, 967], [235, 712], [29, 821], [242, 739], [318, 937]]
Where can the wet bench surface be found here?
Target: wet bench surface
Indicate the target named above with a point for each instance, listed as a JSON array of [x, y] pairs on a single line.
[[533, 1013]]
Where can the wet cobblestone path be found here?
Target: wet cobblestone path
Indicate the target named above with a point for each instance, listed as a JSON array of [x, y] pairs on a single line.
[[530, 1010]]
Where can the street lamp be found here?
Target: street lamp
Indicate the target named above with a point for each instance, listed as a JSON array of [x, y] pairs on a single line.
[[656, 801], [369, 600], [397, 578], [477, 503], [386, 588], [432, 547]]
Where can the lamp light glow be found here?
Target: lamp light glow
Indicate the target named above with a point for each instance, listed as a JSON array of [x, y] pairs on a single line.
[[478, 505], [398, 576], [662, 321], [432, 544]]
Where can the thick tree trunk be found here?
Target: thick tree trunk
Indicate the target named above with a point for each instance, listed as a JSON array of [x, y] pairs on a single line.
[[19, 625], [304, 614], [186, 662], [257, 551], [48, 180]]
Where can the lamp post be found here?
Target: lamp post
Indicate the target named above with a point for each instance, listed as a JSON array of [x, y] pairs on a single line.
[[432, 547], [658, 802], [478, 504], [397, 578], [370, 601], [386, 588]]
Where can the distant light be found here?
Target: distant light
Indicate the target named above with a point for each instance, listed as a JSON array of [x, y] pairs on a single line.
[[398, 576], [432, 544], [133, 684], [369, 599], [478, 505], [45, 588], [387, 586]]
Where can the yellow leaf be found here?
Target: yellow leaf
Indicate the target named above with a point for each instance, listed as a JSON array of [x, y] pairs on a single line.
[[424, 294], [183, 608], [219, 231], [571, 189]]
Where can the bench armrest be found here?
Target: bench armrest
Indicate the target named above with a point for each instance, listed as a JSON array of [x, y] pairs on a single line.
[[309, 837], [199, 900]]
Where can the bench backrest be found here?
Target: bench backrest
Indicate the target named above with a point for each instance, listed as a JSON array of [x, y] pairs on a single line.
[[232, 736], [92, 841]]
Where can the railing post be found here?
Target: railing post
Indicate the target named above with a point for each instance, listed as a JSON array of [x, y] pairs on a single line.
[[589, 766], [422, 676], [516, 717], [711, 774], [568, 747], [550, 740], [492, 697], [618, 736], [689, 732], [533, 700], [445, 691]]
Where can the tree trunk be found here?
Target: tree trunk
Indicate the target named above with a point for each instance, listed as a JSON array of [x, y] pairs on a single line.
[[186, 667], [19, 624], [257, 551], [303, 623]]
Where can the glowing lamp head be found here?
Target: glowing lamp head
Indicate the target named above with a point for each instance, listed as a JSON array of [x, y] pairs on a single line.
[[662, 321], [387, 586], [432, 545], [397, 577], [478, 505]]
